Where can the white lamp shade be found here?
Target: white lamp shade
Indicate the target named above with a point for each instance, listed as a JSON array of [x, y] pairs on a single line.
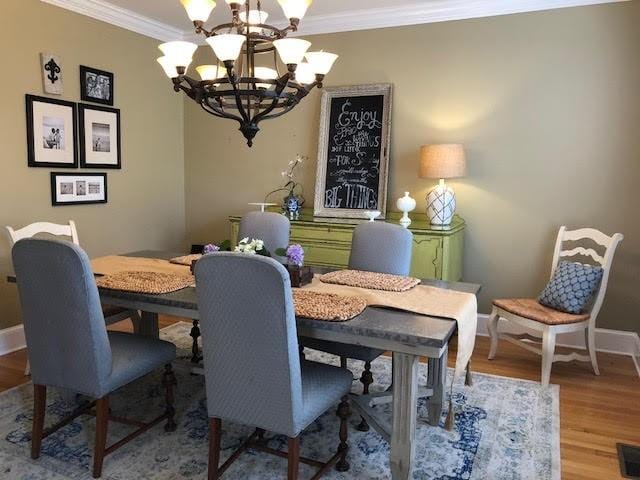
[[291, 50], [208, 72], [264, 73], [256, 17], [442, 161], [227, 46], [294, 8], [305, 74], [180, 53], [198, 10], [321, 62], [170, 67]]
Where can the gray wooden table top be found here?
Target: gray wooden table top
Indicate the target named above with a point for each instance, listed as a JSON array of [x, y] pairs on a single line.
[[375, 327]]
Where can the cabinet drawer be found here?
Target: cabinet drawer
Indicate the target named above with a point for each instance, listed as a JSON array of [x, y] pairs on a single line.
[[321, 234], [325, 255]]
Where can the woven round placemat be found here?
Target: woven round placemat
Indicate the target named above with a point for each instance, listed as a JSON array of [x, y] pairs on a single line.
[[186, 259], [145, 282], [370, 280], [327, 306]]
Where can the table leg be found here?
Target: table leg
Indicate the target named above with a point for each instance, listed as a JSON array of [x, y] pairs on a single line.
[[195, 350], [147, 325], [437, 380], [405, 412]]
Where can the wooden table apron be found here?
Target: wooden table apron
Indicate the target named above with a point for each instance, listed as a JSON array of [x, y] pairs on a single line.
[[408, 336]]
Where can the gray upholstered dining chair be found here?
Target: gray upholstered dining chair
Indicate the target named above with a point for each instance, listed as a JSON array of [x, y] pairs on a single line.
[[272, 228], [69, 346], [253, 372], [376, 247]]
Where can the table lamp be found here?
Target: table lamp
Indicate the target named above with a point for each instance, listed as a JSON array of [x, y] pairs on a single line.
[[441, 161]]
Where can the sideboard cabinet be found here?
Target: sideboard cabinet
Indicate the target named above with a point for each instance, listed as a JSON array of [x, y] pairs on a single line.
[[437, 251]]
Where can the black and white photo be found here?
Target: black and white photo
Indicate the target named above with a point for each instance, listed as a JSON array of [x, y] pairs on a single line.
[[78, 189], [51, 132], [96, 85], [99, 136]]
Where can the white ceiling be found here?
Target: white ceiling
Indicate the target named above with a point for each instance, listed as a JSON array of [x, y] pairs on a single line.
[[167, 20]]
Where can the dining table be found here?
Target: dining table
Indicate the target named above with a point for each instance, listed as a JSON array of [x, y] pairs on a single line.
[[406, 335]]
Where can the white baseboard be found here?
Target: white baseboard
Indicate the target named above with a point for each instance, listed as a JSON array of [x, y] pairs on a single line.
[[12, 339], [608, 341]]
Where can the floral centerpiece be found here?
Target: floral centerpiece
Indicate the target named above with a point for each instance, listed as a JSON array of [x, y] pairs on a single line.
[[253, 247], [299, 274], [292, 203]]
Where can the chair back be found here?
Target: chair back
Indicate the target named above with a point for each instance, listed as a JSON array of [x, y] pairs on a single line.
[[272, 228], [609, 243], [44, 227], [250, 343], [64, 327], [381, 247]]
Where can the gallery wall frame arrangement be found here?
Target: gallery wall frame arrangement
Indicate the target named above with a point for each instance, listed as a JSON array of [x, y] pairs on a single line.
[[99, 132], [78, 188], [353, 151], [96, 85], [51, 132]]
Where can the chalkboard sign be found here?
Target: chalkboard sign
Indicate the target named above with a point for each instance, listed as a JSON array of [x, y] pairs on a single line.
[[353, 154]]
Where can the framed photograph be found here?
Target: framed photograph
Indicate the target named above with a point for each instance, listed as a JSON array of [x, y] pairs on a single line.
[[80, 189], [51, 132], [353, 151], [99, 130], [96, 85]]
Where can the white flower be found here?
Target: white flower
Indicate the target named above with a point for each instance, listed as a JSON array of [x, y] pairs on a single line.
[[259, 245]]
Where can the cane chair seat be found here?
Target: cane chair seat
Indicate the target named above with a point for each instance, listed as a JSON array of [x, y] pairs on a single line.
[[531, 309]]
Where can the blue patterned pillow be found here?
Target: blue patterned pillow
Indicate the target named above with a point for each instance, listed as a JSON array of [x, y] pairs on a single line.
[[572, 286]]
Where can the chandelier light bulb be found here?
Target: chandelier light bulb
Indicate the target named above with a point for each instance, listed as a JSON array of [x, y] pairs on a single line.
[[207, 72], [198, 10], [305, 74], [294, 8], [321, 62], [256, 17], [170, 67], [291, 50], [179, 53], [264, 73], [227, 46]]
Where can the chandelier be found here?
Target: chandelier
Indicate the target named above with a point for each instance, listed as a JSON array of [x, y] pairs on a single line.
[[246, 84]]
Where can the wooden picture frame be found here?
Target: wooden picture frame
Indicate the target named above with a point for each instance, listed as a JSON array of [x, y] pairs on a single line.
[[353, 151], [99, 132], [52, 135], [78, 188], [96, 85]]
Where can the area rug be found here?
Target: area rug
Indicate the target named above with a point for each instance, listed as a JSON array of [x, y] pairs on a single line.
[[505, 429]]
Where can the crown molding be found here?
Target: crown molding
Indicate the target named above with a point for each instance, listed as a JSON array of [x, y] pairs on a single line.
[[120, 17], [396, 16]]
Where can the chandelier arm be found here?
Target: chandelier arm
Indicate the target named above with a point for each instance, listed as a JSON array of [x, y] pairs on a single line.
[[280, 86], [220, 112]]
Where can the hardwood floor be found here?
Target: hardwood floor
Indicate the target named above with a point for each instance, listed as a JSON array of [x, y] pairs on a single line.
[[595, 412]]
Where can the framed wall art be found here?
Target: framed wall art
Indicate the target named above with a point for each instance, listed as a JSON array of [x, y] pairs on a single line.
[[99, 131], [51, 132], [51, 73], [353, 151], [78, 189], [96, 85]]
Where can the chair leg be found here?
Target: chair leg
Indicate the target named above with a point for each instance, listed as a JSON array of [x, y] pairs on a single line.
[[169, 381], [102, 424], [590, 342], [492, 326], [293, 457], [344, 411], [548, 349], [215, 430], [343, 362], [39, 406], [27, 369]]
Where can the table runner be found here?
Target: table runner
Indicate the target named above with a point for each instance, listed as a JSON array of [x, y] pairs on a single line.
[[116, 263], [424, 300]]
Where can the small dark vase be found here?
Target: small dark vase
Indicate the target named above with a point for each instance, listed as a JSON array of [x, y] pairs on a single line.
[[292, 205], [300, 276]]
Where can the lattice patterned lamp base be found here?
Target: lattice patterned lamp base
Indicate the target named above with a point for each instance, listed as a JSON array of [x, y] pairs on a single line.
[[441, 204]]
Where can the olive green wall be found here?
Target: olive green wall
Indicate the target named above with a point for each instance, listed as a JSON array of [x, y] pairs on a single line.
[[547, 105], [146, 197]]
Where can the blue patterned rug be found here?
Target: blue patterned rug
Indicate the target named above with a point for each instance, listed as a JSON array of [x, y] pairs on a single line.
[[505, 429]]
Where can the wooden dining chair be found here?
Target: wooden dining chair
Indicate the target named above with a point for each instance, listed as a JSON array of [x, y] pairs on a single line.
[[253, 372], [376, 247], [272, 228], [546, 322], [111, 314], [69, 345]]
